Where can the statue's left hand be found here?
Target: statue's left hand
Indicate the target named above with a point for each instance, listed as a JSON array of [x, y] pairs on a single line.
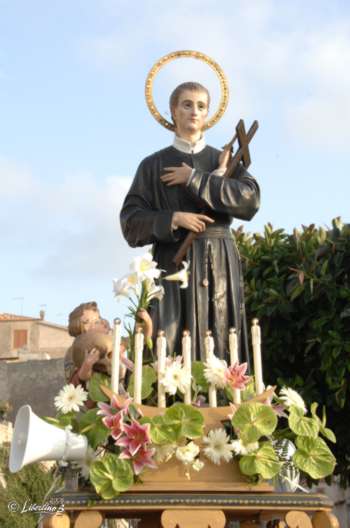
[[177, 175]]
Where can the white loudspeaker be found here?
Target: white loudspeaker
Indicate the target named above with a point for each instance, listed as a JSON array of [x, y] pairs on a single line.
[[35, 440]]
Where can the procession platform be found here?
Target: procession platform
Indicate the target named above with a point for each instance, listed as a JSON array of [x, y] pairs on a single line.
[[198, 510]]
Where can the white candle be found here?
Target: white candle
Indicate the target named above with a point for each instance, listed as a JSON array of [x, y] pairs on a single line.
[[209, 353], [258, 374], [138, 365], [186, 356], [116, 356], [233, 346], [161, 361]]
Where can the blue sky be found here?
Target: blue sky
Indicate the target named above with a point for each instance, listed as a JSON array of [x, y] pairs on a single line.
[[74, 125]]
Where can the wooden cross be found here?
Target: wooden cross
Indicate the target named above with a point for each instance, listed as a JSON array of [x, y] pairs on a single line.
[[243, 155]]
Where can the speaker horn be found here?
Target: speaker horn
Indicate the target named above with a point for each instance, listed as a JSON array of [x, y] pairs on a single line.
[[35, 440]]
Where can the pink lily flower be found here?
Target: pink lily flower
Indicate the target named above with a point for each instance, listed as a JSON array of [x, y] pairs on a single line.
[[143, 458], [235, 376], [115, 424], [136, 435], [117, 404]]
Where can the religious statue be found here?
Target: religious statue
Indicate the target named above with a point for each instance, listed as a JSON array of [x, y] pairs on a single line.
[[182, 189]]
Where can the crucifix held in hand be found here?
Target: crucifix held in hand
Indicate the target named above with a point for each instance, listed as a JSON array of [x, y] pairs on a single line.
[[242, 155]]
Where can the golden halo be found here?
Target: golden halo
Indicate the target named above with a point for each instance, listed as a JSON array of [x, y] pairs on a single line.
[[192, 55]]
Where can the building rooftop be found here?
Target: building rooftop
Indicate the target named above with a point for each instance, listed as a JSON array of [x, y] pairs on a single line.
[[13, 317]]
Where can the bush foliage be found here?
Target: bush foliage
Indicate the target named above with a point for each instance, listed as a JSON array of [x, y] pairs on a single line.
[[297, 285], [28, 486]]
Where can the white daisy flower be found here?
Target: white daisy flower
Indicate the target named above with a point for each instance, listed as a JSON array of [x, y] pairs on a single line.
[[214, 371], [145, 267], [187, 454], [219, 446], [70, 398], [290, 397], [175, 378], [240, 449], [181, 275]]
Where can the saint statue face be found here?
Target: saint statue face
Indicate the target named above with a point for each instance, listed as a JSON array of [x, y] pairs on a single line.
[[190, 112]]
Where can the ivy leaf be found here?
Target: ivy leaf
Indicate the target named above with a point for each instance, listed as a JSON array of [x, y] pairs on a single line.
[[111, 476], [95, 381], [148, 378], [254, 420], [302, 425], [262, 462], [314, 457], [187, 420]]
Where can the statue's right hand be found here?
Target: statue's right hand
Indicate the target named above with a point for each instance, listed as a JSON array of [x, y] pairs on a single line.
[[195, 222]]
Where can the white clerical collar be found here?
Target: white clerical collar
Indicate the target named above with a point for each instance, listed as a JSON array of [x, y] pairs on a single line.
[[186, 146]]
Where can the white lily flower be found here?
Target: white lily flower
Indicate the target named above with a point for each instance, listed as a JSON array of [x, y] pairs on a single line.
[[219, 446], [214, 371], [145, 267], [290, 397], [154, 291], [181, 276], [70, 398]]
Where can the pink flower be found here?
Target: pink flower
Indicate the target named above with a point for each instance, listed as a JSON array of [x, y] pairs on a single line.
[[235, 376], [136, 435], [117, 404], [278, 409], [143, 458], [115, 423]]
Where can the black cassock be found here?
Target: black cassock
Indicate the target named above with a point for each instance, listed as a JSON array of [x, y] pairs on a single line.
[[214, 297]]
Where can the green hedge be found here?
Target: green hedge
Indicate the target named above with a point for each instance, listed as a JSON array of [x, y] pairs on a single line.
[[30, 484], [298, 287]]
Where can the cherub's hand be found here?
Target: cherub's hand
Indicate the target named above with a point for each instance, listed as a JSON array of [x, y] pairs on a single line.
[[85, 371], [176, 175]]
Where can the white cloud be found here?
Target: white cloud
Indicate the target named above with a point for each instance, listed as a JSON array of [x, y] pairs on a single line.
[[276, 55], [68, 227]]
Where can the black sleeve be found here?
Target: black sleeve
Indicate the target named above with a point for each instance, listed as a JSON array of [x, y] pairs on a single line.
[[238, 196], [142, 222]]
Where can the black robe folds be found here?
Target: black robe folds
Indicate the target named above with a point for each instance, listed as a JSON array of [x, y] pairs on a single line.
[[214, 297]]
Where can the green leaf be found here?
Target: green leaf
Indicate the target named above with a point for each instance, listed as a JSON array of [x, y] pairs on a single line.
[[314, 457], [91, 425], [164, 433], [186, 419], [324, 431], [111, 476], [263, 462], [254, 420], [301, 425], [95, 381], [148, 378], [198, 376]]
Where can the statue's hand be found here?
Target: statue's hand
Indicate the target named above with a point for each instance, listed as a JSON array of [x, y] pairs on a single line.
[[224, 158], [177, 175], [85, 371], [195, 222]]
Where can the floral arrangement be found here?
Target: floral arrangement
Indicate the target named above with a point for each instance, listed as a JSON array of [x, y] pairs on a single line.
[[273, 436]]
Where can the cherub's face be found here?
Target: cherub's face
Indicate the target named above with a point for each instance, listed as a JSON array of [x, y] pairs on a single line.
[[191, 112], [89, 320]]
